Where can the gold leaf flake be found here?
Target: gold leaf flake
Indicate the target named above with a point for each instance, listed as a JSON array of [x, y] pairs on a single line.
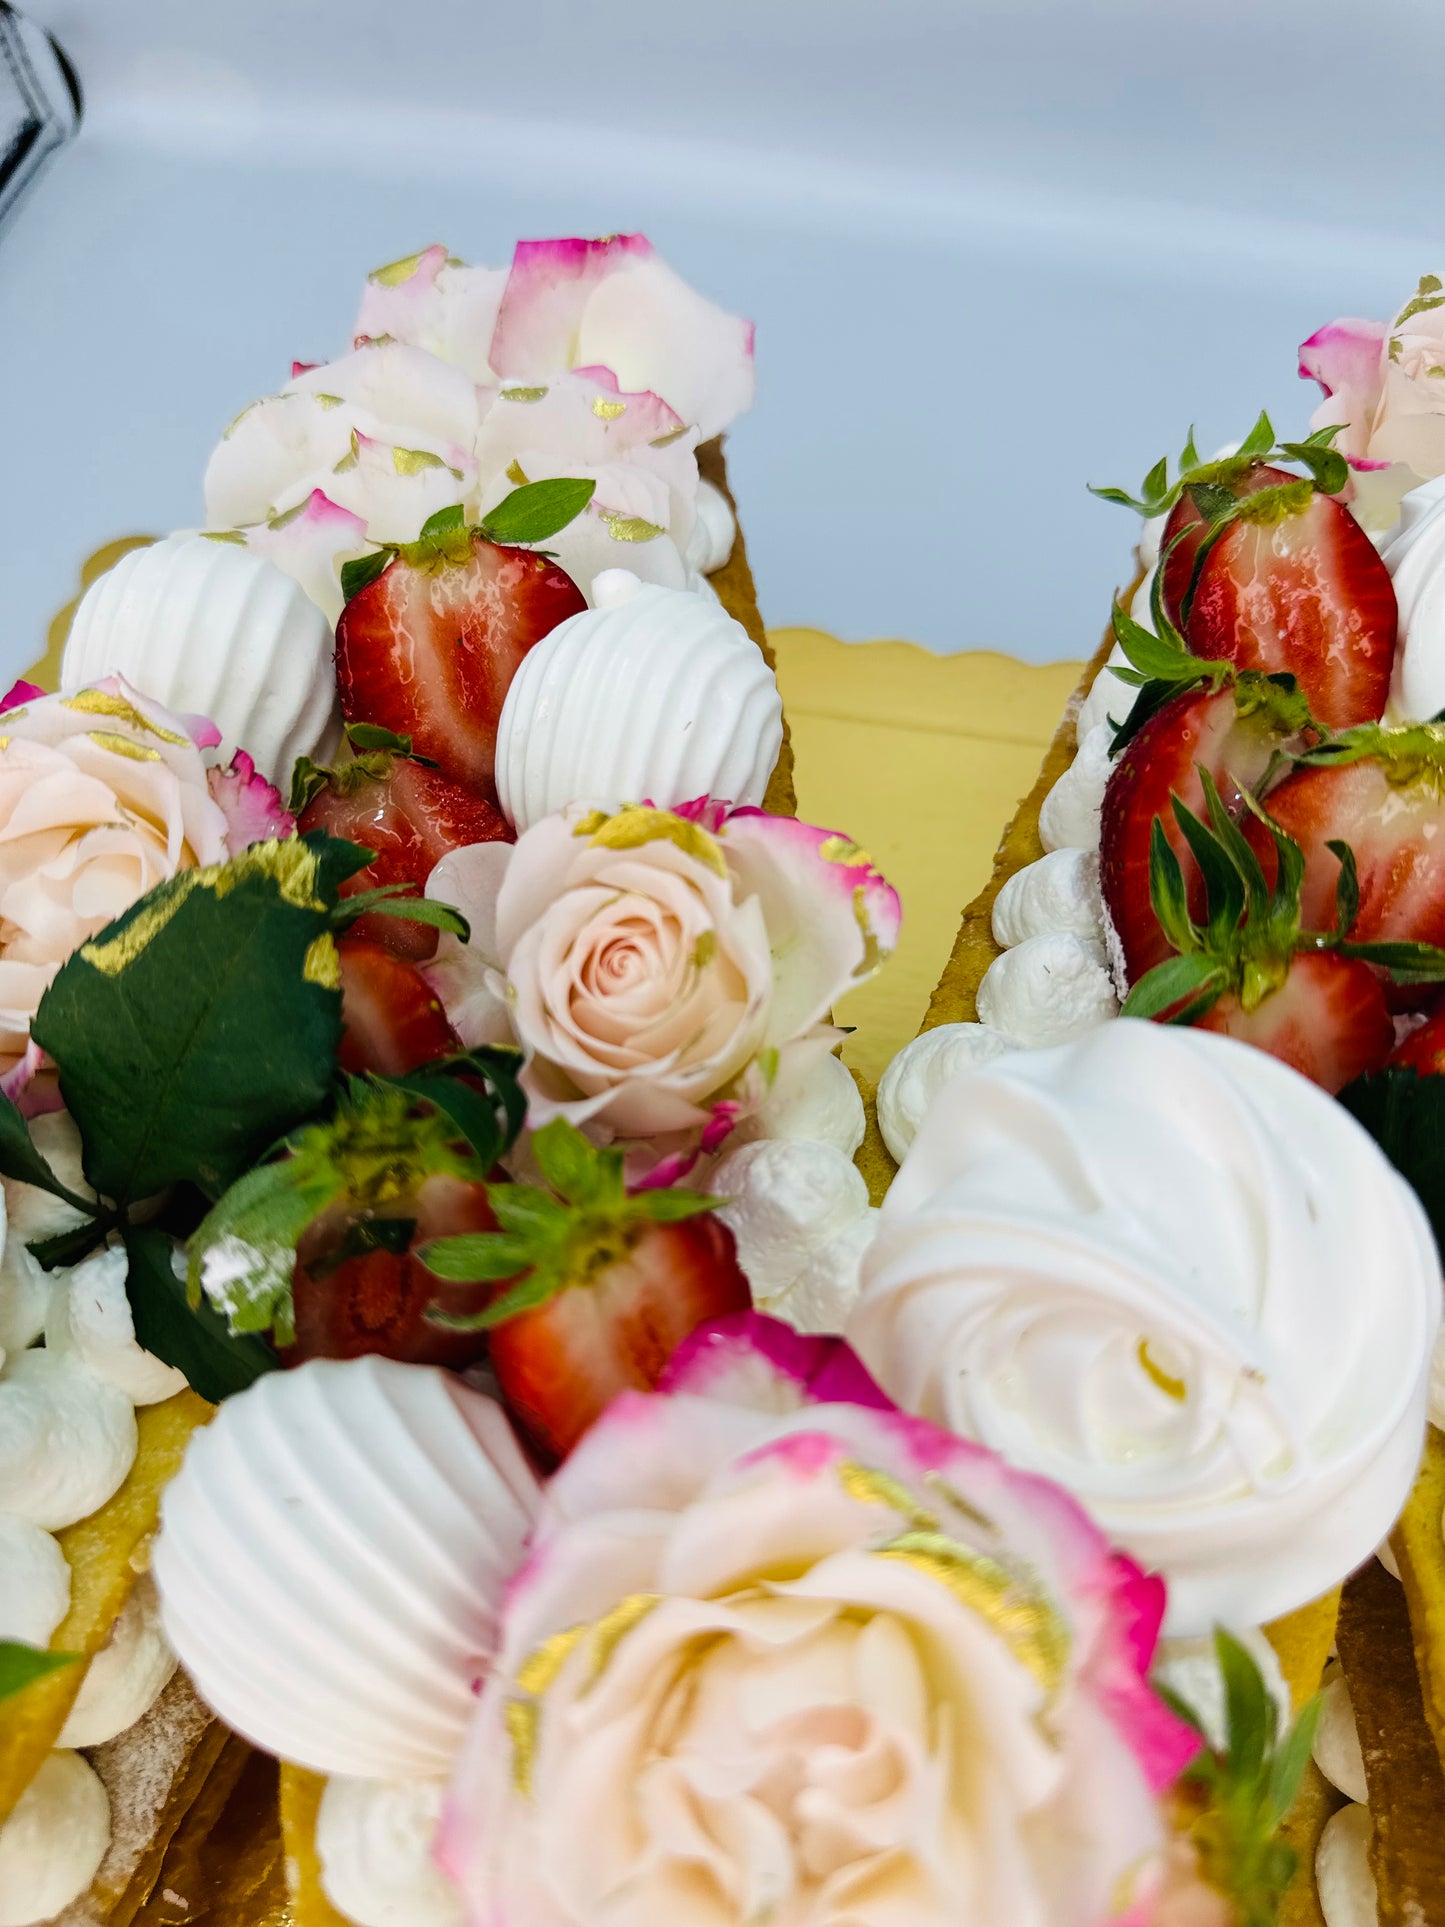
[[523, 394], [396, 272], [104, 702], [631, 528], [607, 411]]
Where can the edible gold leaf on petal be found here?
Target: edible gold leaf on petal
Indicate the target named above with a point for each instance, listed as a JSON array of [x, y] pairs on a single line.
[[842, 849], [291, 865], [1012, 1603], [607, 411], [664, 441], [609, 1632], [522, 1719], [322, 965], [871, 1486], [540, 1668], [523, 394], [105, 702], [118, 745], [516, 475], [639, 824], [631, 528], [1170, 1386], [411, 461], [872, 958], [396, 272]]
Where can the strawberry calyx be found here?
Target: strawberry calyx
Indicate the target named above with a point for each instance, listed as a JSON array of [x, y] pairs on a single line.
[[386, 1136], [1407, 755], [1252, 931], [530, 514], [555, 1238], [378, 751], [1162, 666], [1158, 493]]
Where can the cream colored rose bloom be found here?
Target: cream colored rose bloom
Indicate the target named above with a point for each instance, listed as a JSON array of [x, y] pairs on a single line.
[[103, 795], [780, 1657]]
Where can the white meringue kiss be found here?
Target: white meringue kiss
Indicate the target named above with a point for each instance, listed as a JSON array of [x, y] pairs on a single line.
[[654, 694], [1168, 1272], [90, 1318], [332, 1556], [67, 1439]]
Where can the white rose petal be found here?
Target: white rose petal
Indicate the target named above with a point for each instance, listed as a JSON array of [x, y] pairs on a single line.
[[1346, 1881], [1058, 892], [53, 1842], [67, 1439], [1047, 990], [126, 1676], [1337, 1740], [34, 1582], [1069, 816], [920, 1071], [789, 1198], [90, 1319], [374, 1841]]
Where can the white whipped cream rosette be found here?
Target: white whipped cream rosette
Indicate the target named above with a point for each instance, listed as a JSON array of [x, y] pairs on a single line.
[[1165, 1270]]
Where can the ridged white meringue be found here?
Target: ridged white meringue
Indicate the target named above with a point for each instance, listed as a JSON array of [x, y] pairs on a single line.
[[127, 1675], [373, 1839], [89, 1317], [53, 1842], [208, 627], [653, 695], [67, 1439], [331, 1559], [34, 1582]]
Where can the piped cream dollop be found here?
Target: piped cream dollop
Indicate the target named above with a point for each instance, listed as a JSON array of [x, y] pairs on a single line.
[[1133, 1264], [653, 695]]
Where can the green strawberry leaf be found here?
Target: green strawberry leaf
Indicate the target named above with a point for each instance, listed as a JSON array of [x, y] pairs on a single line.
[[20, 1160], [192, 1338], [1404, 1112], [202, 1024], [538, 509], [361, 573], [21, 1665]]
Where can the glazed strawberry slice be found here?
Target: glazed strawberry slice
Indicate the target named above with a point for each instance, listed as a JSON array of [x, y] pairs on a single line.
[[1382, 791], [429, 646], [402, 807], [392, 1020], [1251, 970], [609, 1285], [1234, 732], [1291, 582]]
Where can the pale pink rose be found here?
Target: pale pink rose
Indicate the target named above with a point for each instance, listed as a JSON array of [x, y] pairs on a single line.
[[659, 968], [778, 1653], [1385, 383], [103, 795]]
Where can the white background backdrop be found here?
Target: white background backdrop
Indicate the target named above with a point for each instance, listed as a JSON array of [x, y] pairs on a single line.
[[995, 249]]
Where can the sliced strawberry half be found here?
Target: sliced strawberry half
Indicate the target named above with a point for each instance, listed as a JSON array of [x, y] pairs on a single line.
[[1382, 791], [429, 646], [1251, 970], [609, 1284], [1290, 581], [403, 808], [392, 1020]]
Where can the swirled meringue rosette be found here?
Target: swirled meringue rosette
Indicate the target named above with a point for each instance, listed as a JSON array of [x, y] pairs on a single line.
[[778, 1652], [1165, 1270], [662, 970]]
